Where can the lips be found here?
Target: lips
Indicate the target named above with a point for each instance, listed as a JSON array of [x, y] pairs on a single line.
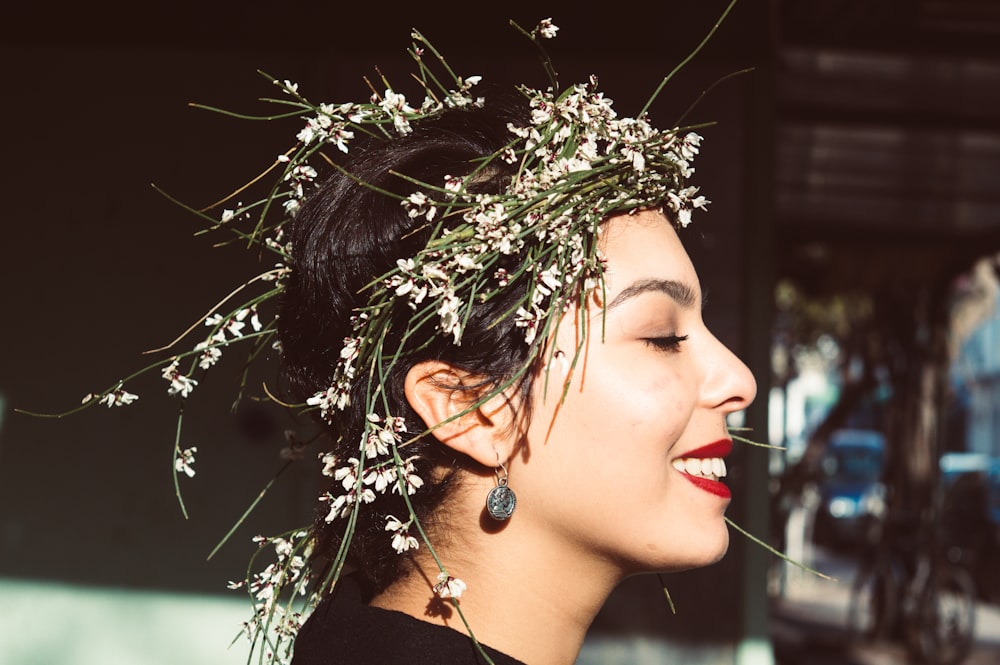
[[704, 466]]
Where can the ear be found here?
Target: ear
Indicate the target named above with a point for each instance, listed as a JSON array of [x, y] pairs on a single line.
[[435, 391]]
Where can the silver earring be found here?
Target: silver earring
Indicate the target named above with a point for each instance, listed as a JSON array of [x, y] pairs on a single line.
[[501, 501]]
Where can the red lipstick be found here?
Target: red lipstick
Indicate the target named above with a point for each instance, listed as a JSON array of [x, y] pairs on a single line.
[[711, 486], [720, 448]]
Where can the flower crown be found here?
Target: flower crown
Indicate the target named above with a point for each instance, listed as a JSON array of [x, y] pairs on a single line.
[[575, 164]]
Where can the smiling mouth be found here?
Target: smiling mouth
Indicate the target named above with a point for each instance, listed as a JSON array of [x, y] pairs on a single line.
[[705, 466], [710, 468]]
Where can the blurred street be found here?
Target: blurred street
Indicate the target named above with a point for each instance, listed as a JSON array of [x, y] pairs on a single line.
[[809, 622]]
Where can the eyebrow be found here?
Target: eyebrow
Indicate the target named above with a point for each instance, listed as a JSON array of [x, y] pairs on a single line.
[[680, 292]]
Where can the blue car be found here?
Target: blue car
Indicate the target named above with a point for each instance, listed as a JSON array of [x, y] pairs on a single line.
[[850, 487]]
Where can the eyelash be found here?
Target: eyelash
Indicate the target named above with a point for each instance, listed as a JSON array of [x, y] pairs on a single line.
[[669, 343]]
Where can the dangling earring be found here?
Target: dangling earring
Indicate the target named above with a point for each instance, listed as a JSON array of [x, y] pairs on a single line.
[[500, 502]]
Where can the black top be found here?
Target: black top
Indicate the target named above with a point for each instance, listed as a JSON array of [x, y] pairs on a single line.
[[343, 630]]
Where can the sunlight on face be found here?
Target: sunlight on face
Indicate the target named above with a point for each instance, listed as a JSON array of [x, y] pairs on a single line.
[[625, 470]]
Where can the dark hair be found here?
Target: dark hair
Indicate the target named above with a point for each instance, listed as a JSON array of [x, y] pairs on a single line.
[[345, 236]]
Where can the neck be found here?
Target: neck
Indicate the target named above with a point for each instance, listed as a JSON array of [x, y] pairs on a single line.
[[534, 608]]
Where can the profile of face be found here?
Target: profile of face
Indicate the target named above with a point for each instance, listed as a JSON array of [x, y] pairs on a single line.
[[605, 476]]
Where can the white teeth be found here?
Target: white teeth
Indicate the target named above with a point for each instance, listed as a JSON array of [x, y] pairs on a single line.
[[704, 467], [719, 467]]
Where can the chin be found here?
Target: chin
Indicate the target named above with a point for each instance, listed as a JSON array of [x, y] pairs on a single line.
[[705, 551], [698, 552]]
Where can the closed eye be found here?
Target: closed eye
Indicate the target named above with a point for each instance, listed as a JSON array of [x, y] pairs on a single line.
[[668, 343]]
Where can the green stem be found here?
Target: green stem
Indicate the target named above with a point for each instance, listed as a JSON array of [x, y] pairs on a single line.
[[686, 60], [246, 513], [780, 555], [177, 452]]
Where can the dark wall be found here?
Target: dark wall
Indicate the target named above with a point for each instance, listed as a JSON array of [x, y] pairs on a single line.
[[99, 267]]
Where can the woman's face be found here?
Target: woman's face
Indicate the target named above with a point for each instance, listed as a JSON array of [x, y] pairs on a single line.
[[600, 474]]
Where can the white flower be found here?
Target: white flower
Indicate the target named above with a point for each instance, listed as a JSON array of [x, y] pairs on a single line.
[[179, 384], [233, 326], [334, 398], [185, 460], [118, 397], [402, 541], [635, 156], [418, 204], [467, 263], [449, 587], [395, 106], [330, 463], [450, 321], [409, 478], [689, 146], [348, 475], [382, 477], [529, 321], [546, 29], [254, 318], [376, 443], [340, 506], [209, 354]]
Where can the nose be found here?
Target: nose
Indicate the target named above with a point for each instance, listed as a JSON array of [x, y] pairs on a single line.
[[728, 383]]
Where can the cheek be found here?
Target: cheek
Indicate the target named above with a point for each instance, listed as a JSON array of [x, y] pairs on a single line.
[[653, 397]]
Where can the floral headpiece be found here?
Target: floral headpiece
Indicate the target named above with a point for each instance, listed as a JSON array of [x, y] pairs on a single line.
[[575, 164]]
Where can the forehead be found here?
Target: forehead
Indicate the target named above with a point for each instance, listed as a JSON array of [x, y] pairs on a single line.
[[643, 247]]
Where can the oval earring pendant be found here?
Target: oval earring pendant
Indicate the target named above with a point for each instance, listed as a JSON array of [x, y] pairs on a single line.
[[500, 502]]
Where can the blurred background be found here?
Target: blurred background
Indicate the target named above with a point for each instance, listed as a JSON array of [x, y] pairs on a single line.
[[850, 255]]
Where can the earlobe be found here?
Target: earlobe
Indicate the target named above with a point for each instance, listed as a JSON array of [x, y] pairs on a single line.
[[440, 393]]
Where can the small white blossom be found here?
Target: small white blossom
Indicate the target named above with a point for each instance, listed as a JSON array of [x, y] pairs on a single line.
[[449, 587], [185, 461], [330, 463], [402, 541], [382, 477], [546, 29], [335, 398], [341, 506], [117, 397], [209, 354], [529, 321], [417, 204], [179, 384], [348, 475], [407, 477], [234, 326], [450, 321]]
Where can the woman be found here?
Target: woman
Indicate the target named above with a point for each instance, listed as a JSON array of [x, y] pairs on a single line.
[[488, 310], [612, 438]]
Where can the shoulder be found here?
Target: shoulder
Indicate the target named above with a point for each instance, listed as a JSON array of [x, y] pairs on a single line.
[[345, 631]]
